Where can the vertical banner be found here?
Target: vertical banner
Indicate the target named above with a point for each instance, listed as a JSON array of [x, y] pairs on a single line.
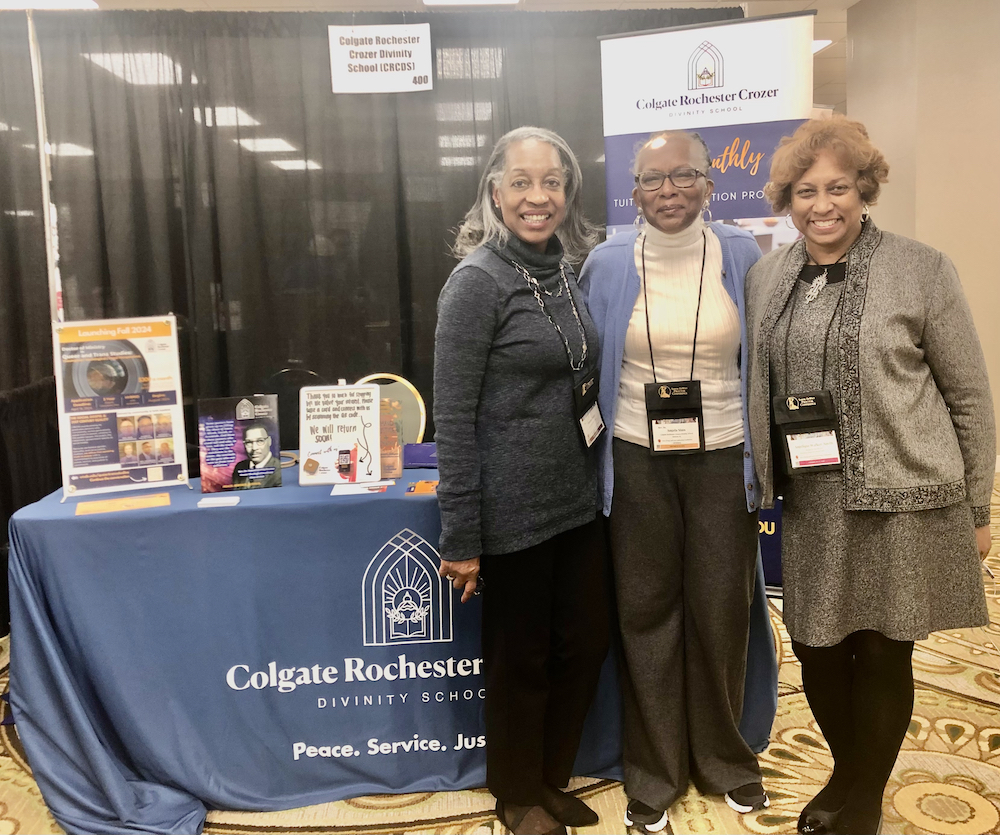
[[741, 85], [121, 419]]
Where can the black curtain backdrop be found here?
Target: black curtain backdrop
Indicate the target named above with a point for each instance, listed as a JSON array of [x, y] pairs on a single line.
[[25, 337], [335, 268]]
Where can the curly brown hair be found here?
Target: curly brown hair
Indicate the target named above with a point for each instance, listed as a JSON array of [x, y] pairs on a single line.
[[846, 138]]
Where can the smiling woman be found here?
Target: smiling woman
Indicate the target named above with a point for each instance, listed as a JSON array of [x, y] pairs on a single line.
[[514, 347], [679, 490], [871, 414], [531, 196]]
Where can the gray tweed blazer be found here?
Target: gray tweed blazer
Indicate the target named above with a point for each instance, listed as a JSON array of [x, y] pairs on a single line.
[[916, 422]]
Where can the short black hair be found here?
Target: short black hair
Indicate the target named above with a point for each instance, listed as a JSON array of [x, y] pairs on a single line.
[[256, 425]]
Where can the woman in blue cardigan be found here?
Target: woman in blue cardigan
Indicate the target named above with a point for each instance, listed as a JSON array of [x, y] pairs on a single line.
[[668, 303]]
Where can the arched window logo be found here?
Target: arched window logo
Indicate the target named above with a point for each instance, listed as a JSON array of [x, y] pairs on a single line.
[[405, 601], [705, 67]]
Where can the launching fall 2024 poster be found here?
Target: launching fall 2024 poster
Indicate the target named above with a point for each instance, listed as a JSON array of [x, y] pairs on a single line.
[[121, 424]]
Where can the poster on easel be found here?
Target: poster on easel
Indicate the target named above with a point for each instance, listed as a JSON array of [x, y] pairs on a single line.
[[121, 419], [339, 434]]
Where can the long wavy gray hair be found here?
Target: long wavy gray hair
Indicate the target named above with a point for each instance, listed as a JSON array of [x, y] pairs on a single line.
[[483, 221]]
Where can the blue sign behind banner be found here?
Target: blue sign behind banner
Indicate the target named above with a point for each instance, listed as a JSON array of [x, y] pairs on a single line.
[[740, 166]]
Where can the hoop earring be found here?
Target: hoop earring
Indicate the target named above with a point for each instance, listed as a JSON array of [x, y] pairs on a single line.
[[707, 208], [788, 222], [639, 219], [865, 214]]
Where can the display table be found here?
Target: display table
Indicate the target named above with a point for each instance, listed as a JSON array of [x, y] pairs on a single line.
[[294, 649]]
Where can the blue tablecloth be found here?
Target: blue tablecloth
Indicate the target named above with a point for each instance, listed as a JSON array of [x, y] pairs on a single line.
[[294, 649]]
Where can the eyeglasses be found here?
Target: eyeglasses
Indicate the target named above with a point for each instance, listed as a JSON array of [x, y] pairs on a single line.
[[257, 441], [682, 178]]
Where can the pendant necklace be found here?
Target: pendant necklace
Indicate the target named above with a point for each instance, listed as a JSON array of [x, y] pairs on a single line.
[[818, 283]]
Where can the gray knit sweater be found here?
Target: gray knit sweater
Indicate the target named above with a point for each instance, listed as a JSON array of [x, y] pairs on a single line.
[[916, 414], [514, 471]]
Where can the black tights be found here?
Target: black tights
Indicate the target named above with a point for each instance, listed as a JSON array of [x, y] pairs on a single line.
[[861, 693]]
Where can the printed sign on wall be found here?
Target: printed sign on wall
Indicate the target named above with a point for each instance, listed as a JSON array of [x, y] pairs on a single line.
[[381, 59]]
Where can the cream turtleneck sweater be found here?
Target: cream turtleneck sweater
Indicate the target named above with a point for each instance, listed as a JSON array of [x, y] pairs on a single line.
[[672, 274]]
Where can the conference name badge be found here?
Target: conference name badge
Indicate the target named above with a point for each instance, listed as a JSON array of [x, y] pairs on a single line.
[[674, 417], [587, 411], [810, 431]]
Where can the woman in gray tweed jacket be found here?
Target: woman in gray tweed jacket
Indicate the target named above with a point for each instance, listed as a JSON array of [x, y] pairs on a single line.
[[870, 412]]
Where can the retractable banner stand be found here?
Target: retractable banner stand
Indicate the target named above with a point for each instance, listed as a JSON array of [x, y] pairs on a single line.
[[741, 85]]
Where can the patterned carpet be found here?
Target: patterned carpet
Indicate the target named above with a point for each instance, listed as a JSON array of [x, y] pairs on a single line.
[[946, 780]]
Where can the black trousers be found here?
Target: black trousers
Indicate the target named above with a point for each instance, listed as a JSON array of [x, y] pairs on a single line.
[[545, 636], [684, 550]]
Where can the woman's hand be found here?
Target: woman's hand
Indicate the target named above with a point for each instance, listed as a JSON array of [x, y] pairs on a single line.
[[463, 575], [983, 541]]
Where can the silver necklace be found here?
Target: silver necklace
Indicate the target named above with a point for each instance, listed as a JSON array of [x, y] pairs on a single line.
[[818, 283], [576, 365], [816, 287]]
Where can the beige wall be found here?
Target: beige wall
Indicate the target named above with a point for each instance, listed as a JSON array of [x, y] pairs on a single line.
[[924, 77]]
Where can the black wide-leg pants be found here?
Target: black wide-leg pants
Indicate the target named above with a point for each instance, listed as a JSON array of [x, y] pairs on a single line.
[[684, 550], [545, 635]]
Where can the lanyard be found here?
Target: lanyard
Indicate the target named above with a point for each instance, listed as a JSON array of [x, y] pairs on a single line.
[[537, 289], [697, 314], [826, 336]]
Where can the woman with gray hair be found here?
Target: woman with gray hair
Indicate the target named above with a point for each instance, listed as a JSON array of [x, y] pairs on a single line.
[[668, 303], [515, 389]]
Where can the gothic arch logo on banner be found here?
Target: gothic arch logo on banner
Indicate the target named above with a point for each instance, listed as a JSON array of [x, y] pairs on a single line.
[[705, 67], [404, 599]]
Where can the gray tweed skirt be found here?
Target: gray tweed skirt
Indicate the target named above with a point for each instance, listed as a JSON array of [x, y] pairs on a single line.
[[902, 574]]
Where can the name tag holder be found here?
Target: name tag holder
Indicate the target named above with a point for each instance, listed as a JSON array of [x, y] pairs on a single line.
[[809, 429], [674, 417], [673, 410], [586, 409]]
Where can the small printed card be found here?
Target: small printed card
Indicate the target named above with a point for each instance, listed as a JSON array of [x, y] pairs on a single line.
[[357, 489], [226, 500], [422, 487]]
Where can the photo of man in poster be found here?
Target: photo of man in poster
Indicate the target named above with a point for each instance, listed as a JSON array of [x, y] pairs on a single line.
[[261, 468]]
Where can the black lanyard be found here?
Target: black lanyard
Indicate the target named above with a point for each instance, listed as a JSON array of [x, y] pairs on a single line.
[[697, 314], [826, 336]]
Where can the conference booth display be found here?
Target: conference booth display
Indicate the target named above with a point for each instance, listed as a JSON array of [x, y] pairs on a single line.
[[259, 649]]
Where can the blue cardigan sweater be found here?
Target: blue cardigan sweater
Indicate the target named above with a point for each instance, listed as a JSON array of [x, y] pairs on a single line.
[[611, 285]]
